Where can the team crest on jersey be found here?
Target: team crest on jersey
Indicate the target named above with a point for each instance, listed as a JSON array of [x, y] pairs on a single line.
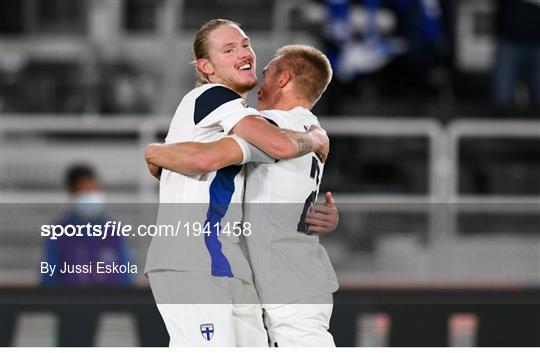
[[207, 331]]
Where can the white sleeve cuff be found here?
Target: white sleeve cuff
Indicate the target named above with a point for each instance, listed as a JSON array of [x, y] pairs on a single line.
[[250, 152]]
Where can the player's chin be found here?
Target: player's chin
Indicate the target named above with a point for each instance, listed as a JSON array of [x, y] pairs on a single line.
[[247, 75], [247, 83]]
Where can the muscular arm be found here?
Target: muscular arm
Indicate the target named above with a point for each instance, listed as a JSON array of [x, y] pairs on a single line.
[[279, 143], [192, 158]]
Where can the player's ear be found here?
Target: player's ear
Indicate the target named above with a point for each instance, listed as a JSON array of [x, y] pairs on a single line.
[[284, 78], [205, 66]]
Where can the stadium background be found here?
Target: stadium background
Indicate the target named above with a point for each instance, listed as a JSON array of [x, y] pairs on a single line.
[[437, 185]]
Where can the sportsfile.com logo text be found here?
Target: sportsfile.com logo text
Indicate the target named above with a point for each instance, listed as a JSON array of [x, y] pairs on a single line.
[[119, 229]]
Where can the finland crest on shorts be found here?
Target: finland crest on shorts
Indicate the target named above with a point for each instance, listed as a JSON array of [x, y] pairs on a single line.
[[207, 331]]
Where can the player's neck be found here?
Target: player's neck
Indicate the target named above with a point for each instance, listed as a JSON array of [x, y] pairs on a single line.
[[241, 94], [288, 104]]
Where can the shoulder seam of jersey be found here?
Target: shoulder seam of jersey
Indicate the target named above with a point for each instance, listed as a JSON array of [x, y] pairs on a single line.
[[210, 100]]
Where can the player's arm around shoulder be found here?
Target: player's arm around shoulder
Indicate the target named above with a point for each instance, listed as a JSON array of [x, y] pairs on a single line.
[[280, 143]]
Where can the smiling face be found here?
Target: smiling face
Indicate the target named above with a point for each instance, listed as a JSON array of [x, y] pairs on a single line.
[[231, 60]]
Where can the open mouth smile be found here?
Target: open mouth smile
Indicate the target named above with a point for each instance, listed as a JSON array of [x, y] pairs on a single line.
[[245, 67]]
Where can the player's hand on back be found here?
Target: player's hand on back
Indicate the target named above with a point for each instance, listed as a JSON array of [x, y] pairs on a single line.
[[324, 218], [321, 142]]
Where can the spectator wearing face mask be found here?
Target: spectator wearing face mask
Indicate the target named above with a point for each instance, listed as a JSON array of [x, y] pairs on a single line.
[[87, 206]]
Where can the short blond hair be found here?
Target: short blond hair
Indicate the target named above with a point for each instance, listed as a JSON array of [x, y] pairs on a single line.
[[200, 44], [310, 67]]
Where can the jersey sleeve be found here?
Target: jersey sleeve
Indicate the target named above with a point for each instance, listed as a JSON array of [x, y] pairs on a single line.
[[250, 152], [222, 106]]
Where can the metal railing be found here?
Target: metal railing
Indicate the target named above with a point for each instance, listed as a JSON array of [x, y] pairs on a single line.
[[442, 202], [444, 144]]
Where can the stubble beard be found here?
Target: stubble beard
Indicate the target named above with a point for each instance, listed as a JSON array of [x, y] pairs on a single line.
[[242, 87]]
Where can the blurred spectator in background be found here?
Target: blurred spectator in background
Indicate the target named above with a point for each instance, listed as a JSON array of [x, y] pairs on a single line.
[[78, 328], [88, 206], [517, 56], [352, 55], [385, 48]]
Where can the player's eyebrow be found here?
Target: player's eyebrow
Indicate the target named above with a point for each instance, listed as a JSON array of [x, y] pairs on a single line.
[[226, 45], [232, 44]]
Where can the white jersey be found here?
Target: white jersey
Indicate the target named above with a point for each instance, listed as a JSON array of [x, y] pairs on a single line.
[[207, 202], [288, 264]]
